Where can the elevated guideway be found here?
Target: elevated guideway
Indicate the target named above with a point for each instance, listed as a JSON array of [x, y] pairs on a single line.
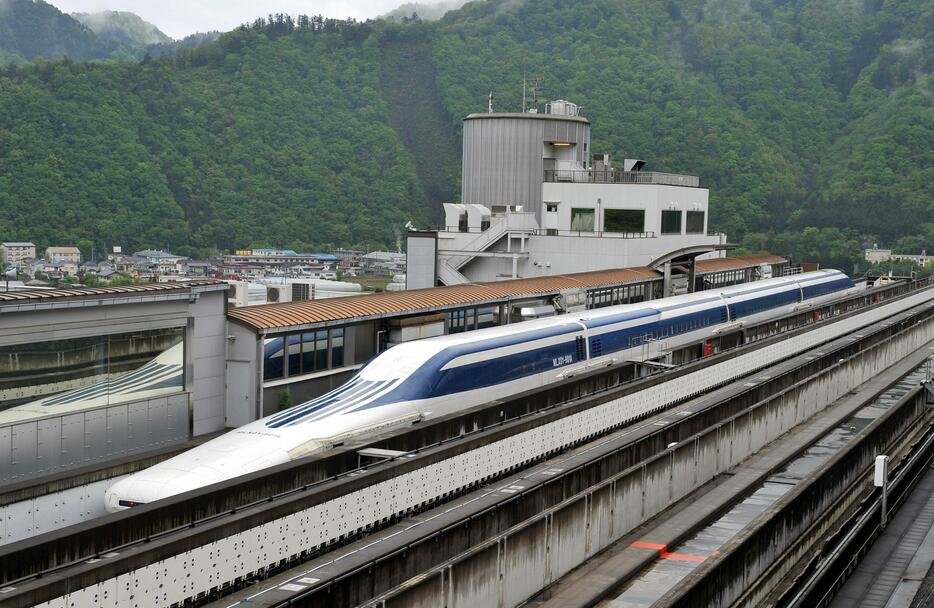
[[499, 545], [210, 541]]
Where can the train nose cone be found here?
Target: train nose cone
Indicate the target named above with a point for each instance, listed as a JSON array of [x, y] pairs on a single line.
[[154, 484]]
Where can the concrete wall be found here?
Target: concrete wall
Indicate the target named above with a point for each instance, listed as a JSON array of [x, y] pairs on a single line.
[[53, 511], [207, 356], [244, 375], [653, 198], [777, 543], [69, 441], [421, 260]]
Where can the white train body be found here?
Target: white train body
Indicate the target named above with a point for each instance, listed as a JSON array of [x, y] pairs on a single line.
[[437, 376]]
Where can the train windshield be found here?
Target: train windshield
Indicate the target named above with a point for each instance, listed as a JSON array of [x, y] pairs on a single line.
[[399, 361]]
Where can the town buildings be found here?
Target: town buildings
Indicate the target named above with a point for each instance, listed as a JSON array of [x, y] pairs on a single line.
[[875, 255], [15, 252]]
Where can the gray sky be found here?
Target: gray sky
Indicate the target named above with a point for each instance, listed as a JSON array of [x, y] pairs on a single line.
[[178, 18]]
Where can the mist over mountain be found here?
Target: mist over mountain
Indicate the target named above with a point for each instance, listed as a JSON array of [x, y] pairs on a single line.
[[32, 28], [122, 29], [427, 12], [811, 122]]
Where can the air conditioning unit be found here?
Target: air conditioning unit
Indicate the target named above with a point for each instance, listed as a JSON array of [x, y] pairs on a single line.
[[303, 291], [278, 293], [238, 294]]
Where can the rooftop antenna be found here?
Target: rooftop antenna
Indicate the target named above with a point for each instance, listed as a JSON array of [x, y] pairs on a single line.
[[531, 89], [489, 107]]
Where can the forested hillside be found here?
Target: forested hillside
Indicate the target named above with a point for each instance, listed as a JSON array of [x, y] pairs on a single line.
[[812, 122]]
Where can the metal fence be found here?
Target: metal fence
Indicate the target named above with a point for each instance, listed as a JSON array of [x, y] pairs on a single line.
[[615, 176]]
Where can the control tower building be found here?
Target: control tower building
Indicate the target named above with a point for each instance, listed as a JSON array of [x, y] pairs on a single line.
[[536, 201]]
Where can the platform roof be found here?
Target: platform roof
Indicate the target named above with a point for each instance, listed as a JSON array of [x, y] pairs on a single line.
[[38, 295], [735, 263], [296, 314]]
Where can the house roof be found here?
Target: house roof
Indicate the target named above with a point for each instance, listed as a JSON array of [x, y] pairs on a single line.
[[63, 250]]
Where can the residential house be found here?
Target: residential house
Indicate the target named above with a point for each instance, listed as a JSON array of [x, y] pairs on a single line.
[[64, 254]]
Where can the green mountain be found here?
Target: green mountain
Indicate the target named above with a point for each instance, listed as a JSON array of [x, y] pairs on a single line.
[[120, 29], [32, 28], [810, 121]]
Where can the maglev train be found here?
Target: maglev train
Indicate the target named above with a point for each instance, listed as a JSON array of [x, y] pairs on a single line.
[[433, 377]]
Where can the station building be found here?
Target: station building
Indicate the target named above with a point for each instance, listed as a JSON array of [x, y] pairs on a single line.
[[93, 375], [536, 201]]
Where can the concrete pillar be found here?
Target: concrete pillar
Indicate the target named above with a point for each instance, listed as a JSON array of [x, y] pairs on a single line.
[[666, 284], [691, 275]]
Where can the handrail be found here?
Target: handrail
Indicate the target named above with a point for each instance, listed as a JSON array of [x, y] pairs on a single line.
[[615, 176]]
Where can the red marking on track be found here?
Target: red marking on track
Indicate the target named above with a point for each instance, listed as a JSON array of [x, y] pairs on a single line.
[[641, 544], [682, 557]]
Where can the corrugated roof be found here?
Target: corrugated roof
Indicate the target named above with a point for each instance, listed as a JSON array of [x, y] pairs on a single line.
[[746, 261], [288, 314], [79, 292], [291, 314]]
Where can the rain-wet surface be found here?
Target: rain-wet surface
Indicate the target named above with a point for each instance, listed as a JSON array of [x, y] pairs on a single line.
[[674, 565]]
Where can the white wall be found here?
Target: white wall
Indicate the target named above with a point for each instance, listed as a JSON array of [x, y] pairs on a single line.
[[244, 361], [207, 351], [653, 198], [568, 254]]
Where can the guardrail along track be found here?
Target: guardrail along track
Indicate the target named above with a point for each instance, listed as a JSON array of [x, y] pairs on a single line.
[[829, 567]]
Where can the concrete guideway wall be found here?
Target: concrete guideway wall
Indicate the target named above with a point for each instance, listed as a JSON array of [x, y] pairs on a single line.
[[519, 563], [751, 564], [171, 578]]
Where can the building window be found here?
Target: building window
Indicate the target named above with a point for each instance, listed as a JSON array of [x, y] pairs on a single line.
[[695, 222], [624, 220], [295, 355], [272, 358], [551, 207], [457, 321], [74, 374], [582, 220], [671, 222], [337, 347], [307, 352], [487, 316]]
